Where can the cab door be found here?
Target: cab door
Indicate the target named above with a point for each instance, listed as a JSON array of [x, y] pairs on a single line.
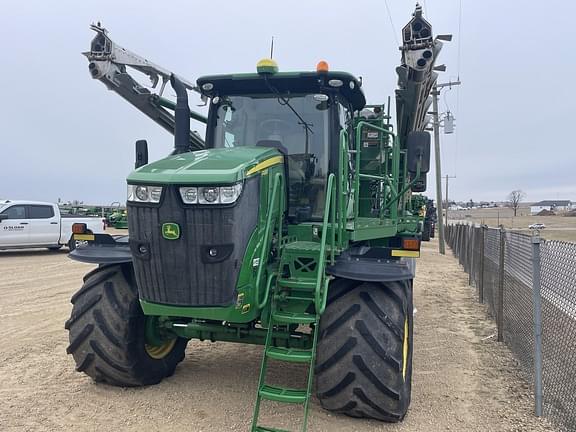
[[14, 227], [44, 225]]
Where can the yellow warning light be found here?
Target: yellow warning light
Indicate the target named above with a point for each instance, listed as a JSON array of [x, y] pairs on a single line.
[[322, 67], [267, 66]]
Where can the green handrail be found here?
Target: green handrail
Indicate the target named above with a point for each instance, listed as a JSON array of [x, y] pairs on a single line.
[[266, 241], [343, 177], [359, 127], [262, 303], [333, 224], [321, 284]]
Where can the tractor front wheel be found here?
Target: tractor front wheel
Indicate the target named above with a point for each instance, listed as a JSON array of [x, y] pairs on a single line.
[[364, 355], [108, 332]]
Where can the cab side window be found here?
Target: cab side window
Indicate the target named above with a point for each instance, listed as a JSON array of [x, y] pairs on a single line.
[[16, 212], [40, 212]]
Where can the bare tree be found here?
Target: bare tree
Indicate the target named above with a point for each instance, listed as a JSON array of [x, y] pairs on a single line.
[[514, 199]]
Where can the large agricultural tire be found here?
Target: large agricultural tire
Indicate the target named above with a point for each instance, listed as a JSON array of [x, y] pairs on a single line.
[[107, 332], [364, 355]]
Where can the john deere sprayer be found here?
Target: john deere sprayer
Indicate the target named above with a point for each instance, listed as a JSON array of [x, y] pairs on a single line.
[[289, 225]]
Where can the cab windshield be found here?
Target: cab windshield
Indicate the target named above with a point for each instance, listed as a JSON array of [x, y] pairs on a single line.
[[268, 121]]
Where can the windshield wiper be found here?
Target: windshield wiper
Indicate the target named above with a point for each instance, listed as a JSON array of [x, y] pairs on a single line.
[[286, 101]]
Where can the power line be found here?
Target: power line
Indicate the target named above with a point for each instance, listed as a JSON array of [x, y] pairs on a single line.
[[458, 88], [459, 36], [391, 22]]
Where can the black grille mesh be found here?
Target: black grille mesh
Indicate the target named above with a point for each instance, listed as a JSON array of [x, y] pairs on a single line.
[[181, 272]]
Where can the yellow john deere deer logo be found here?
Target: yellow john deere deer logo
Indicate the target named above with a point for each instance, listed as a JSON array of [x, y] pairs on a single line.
[[171, 231]]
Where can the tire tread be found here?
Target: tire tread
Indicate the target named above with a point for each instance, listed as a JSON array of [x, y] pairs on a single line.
[[364, 378], [107, 331]]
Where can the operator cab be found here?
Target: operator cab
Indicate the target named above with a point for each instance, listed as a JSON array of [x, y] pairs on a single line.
[[300, 114]]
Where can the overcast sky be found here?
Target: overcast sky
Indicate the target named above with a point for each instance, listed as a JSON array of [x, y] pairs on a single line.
[[63, 135]]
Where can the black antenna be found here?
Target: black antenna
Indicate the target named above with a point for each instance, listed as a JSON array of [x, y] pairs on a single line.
[[272, 48]]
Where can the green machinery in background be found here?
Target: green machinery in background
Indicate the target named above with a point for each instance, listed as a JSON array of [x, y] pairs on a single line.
[[118, 219], [424, 206], [114, 215], [291, 225]]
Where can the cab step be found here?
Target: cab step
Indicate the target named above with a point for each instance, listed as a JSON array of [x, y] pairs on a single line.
[[268, 429], [302, 284], [304, 246], [280, 394], [293, 355], [293, 317]]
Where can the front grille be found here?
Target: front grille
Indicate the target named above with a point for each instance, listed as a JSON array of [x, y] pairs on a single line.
[[182, 272]]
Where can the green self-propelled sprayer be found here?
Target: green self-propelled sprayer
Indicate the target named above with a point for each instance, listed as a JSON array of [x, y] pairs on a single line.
[[290, 225]]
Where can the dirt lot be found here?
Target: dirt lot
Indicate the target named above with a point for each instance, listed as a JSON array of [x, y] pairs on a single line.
[[558, 227], [463, 379]]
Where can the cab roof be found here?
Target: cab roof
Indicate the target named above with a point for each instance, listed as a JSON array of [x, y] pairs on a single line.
[[284, 82]]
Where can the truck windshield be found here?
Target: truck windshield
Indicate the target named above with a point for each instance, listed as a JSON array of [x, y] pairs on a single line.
[[268, 121]]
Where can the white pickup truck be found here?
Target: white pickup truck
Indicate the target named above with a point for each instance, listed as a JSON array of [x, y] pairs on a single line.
[[32, 224]]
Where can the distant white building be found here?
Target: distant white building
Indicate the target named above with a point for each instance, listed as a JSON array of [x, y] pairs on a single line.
[[552, 205]]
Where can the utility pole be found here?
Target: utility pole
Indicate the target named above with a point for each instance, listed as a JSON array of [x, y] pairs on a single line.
[[447, 200], [435, 92]]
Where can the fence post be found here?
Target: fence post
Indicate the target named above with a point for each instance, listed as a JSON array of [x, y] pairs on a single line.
[[481, 278], [537, 322], [457, 242], [472, 257], [500, 314]]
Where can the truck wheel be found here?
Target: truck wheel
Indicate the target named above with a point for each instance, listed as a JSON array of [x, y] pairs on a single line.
[[364, 355], [107, 331], [426, 232]]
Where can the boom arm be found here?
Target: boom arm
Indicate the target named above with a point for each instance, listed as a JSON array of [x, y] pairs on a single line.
[[108, 64], [416, 75]]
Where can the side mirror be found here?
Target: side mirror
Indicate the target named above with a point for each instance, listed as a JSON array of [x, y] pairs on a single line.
[[3, 216], [418, 146], [141, 153]]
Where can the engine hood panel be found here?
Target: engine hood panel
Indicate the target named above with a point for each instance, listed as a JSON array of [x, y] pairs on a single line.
[[210, 166]]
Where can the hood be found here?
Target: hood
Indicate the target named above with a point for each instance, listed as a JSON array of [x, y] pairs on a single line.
[[210, 166]]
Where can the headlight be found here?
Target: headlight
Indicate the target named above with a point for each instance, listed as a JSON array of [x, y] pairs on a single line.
[[189, 195], [141, 193], [211, 194], [229, 194]]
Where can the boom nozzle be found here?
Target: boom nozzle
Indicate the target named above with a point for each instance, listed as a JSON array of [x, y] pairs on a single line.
[[111, 64], [416, 73]]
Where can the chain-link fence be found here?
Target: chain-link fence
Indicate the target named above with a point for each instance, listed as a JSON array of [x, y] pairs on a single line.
[[529, 286]]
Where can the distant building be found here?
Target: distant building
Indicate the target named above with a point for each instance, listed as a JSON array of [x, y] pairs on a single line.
[[552, 205]]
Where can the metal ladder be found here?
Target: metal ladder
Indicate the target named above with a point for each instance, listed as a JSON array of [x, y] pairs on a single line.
[[266, 391], [290, 305]]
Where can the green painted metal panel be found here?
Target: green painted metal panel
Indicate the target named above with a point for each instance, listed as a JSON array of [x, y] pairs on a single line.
[[211, 166]]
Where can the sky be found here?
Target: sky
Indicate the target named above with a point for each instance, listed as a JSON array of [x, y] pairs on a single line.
[[64, 135]]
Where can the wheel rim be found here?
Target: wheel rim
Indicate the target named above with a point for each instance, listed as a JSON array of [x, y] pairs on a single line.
[[405, 349], [160, 351]]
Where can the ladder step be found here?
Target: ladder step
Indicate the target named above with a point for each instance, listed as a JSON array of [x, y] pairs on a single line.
[[303, 246], [308, 298], [269, 429], [293, 317], [294, 355], [279, 394], [297, 283]]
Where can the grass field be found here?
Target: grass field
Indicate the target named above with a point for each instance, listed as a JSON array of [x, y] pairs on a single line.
[[557, 227]]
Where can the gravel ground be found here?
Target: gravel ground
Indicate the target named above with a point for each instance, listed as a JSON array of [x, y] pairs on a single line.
[[463, 379]]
